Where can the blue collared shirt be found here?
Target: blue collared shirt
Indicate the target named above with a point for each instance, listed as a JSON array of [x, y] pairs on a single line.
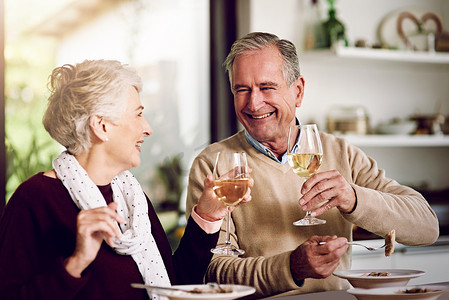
[[262, 149]]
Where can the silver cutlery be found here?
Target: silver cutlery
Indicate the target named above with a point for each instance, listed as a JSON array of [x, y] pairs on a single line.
[[211, 285], [167, 288], [358, 244]]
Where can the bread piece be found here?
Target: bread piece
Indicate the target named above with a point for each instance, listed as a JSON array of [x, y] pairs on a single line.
[[389, 242]]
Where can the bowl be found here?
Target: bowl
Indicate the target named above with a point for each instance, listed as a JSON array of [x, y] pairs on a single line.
[[427, 292], [396, 277], [401, 127]]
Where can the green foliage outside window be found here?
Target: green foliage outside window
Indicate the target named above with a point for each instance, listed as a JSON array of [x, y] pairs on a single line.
[[29, 148]]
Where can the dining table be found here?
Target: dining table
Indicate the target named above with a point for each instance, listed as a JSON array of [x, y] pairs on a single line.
[[343, 295]]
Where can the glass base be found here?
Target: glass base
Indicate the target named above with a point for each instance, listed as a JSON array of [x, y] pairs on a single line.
[[226, 249], [309, 221]]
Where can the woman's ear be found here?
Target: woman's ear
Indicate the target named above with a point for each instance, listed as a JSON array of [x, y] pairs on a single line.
[[99, 128]]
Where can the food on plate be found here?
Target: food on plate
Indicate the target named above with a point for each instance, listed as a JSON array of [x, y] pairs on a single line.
[[214, 290], [377, 274], [416, 290], [389, 242]]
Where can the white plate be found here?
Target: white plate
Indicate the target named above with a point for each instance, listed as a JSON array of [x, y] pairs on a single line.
[[237, 292], [394, 293], [398, 277]]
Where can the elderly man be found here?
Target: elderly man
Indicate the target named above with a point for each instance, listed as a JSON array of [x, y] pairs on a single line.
[[281, 258]]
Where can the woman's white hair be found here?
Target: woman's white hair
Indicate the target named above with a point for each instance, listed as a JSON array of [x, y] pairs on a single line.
[[81, 91]]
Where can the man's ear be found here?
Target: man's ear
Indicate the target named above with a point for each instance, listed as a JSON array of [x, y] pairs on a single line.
[[299, 84], [99, 127]]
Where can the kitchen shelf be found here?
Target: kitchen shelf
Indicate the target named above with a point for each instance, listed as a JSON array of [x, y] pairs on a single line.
[[397, 140], [441, 58], [393, 55]]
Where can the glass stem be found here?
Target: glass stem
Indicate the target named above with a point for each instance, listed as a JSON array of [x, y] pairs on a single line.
[[308, 216], [228, 226]]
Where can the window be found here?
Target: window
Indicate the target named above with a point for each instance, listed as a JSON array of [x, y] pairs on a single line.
[[166, 41]]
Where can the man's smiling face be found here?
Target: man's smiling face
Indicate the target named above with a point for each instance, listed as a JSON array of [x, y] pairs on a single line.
[[264, 103]]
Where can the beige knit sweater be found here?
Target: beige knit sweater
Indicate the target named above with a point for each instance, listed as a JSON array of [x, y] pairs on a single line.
[[263, 227]]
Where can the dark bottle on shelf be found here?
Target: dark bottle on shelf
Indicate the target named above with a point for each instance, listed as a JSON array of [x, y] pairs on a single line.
[[334, 29]]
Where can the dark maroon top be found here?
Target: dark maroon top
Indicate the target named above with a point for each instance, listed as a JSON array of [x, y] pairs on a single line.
[[37, 232]]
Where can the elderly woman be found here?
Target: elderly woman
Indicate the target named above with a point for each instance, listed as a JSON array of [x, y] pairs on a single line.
[[86, 230]]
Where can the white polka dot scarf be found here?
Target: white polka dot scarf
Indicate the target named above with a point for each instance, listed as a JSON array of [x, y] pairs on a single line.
[[136, 239]]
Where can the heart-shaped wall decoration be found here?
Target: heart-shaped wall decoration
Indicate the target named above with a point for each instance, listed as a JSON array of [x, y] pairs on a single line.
[[417, 37]]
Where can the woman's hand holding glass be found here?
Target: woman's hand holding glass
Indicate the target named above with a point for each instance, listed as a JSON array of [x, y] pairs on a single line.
[[209, 208]]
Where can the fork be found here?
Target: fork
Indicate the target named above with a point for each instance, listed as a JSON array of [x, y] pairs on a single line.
[[218, 286], [358, 244], [368, 248], [149, 287]]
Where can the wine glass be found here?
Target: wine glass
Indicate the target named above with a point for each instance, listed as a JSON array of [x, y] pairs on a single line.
[[231, 183], [305, 155]]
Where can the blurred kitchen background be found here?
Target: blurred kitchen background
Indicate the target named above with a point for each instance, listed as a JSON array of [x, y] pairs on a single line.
[[376, 72]]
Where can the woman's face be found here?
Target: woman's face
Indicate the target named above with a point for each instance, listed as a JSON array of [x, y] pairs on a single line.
[[127, 136]]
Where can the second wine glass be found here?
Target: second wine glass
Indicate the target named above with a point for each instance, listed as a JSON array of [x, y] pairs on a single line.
[[305, 155], [231, 183]]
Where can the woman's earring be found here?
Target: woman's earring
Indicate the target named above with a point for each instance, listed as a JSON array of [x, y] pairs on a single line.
[[106, 139]]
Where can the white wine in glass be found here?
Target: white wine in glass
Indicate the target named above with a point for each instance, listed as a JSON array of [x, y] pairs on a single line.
[[305, 155], [231, 183], [231, 191]]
